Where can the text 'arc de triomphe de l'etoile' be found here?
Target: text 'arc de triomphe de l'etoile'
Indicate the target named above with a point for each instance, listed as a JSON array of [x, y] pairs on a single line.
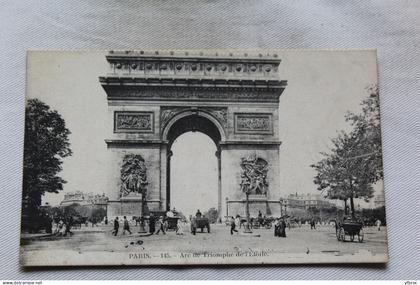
[[154, 97]]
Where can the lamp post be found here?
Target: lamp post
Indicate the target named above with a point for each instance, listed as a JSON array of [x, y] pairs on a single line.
[[227, 207], [142, 230], [247, 228], [281, 207]]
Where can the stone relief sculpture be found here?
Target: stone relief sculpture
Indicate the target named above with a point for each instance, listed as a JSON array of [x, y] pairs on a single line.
[[167, 113], [219, 113], [137, 121], [253, 123], [133, 175], [254, 175]]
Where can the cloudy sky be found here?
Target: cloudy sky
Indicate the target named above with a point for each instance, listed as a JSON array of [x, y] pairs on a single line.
[[322, 87]]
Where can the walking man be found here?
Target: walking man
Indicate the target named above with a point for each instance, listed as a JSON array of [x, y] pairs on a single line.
[[152, 224], [116, 227], [233, 226], [282, 228], [378, 224], [126, 226], [276, 227], [160, 226], [313, 224]]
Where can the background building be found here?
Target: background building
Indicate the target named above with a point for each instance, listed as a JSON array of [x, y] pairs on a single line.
[[306, 201]]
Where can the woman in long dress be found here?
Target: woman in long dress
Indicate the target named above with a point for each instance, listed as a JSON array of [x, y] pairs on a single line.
[[179, 227]]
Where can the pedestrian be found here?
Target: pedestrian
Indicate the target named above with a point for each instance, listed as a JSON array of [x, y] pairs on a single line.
[[69, 224], [233, 226], [238, 221], [106, 221], [313, 224], [282, 228], [48, 224], [260, 218], [378, 224], [61, 228], [179, 229], [276, 227], [126, 226], [193, 225], [152, 224], [116, 227], [160, 226]]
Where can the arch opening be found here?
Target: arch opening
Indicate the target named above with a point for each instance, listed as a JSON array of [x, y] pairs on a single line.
[[192, 123], [193, 173], [187, 125]]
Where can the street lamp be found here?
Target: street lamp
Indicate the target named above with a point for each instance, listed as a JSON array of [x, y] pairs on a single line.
[[142, 230]]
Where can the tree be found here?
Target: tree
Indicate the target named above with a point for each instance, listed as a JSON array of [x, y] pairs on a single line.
[[354, 163], [46, 144], [97, 215], [367, 129], [212, 214]]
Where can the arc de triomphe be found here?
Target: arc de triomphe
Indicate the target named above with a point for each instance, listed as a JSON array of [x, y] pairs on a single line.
[[154, 97]]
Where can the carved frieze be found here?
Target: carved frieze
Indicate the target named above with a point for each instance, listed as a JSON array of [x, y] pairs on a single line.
[[190, 94], [254, 123], [133, 122]]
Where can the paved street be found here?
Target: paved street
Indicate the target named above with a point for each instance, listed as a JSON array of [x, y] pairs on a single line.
[[321, 242]]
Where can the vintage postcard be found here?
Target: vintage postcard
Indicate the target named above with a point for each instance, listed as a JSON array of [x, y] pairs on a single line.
[[202, 157]]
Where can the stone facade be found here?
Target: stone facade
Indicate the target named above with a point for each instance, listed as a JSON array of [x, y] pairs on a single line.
[[155, 97]]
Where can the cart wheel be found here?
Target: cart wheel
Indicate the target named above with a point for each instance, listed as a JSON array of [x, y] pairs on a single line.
[[361, 235], [352, 238], [342, 235]]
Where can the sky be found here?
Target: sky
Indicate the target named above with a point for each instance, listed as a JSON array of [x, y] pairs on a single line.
[[322, 87]]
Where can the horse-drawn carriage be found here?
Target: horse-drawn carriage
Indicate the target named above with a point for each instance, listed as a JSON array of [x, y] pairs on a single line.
[[256, 223], [200, 223], [349, 227], [172, 223]]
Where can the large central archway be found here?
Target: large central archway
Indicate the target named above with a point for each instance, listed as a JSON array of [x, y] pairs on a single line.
[[193, 121]]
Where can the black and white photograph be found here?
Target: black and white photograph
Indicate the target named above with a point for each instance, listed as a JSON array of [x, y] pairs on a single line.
[[197, 157]]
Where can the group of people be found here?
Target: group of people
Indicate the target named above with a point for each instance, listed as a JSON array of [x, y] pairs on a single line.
[[279, 226], [126, 226], [235, 222], [63, 227], [156, 225]]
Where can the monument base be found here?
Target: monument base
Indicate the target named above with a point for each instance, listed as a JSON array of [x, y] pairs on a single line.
[[269, 208], [130, 207]]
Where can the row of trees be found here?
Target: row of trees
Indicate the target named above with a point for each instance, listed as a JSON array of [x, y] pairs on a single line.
[[354, 164], [91, 214]]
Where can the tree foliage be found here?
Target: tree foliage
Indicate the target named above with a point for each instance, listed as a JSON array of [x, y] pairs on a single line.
[[354, 163], [46, 144], [212, 214]]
